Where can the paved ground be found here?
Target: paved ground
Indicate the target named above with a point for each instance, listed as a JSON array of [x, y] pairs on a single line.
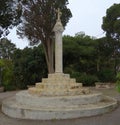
[[112, 118]]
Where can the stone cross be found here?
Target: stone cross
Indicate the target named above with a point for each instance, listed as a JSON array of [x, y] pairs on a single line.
[[58, 29], [59, 13]]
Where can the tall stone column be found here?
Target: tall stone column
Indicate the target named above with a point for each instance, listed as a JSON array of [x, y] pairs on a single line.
[[58, 29]]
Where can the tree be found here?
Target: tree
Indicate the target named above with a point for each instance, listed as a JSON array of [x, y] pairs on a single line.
[[10, 14], [79, 60], [39, 20], [6, 67], [6, 74], [1, 66], [87, 59], [104, 53], [79, 53], [6, 48], [29, 66], [111, 24]]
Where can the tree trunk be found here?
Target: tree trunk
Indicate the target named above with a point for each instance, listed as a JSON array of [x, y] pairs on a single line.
[[49, 54]]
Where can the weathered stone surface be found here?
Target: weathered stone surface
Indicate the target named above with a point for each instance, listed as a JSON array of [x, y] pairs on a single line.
[[58, 96], [58, 84], [58, 29], [25, 98], [57, 108]]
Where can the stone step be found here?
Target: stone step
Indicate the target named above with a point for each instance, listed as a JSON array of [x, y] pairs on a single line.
[[60, 86], [58, 75], [65, 85], [25, 98], [45, 80], [63, 108], [56, 87], [72, 80], [39, 85], [105, 101], [76, 85], [35, 91]]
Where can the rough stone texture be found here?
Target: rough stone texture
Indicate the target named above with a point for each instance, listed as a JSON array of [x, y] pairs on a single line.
[[100, 85], [111, 118], [58, 84], [58, 29], [24, 98], [48, 112]]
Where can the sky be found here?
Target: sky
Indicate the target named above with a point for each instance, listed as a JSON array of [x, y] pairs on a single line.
[[86, 16]]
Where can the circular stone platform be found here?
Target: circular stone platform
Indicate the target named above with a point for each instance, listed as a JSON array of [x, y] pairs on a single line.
[[27, 106]]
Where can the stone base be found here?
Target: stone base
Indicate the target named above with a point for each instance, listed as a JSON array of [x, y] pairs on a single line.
[[104, 85], [27, 106], [57, 97], [58, 84]]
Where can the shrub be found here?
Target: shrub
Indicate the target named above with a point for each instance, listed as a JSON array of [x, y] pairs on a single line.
[[86, 79], [9, 87], [106, 75]]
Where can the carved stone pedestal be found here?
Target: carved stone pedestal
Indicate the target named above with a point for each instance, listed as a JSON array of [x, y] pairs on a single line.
[[58, 84], [57, 97]]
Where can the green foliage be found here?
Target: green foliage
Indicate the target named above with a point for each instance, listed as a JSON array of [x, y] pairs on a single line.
[[79, 53], [118, 82], [6, 48], [39, 20], [6, 74], [71, 53], [86, 59], [107, 75], [92, 58], [111, 22], [9, 15], [29, 66], [86, 79], [6, 65]]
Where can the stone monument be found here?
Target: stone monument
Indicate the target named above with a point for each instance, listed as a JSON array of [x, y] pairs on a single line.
[[58, 96], [58, 83], [58, 29]]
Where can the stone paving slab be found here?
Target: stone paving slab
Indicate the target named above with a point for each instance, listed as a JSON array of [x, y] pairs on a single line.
[[112, 118]]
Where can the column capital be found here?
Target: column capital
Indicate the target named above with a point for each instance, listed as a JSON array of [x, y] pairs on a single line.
[[58, 26]]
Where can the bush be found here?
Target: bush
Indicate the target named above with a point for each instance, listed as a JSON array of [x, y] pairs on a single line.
[[9, 87], [86, 79], [107, 75], [76, 75], [7, 76]]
